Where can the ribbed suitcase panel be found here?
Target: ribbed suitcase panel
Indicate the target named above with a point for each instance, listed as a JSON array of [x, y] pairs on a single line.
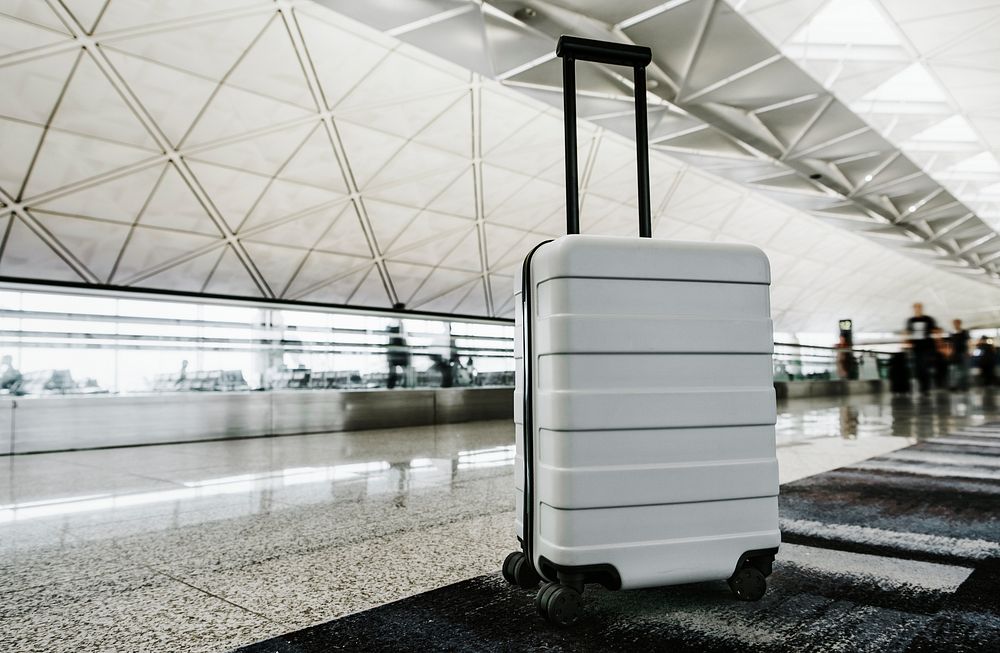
[[651, 334], [652, 546], [562, 410], [633, 258], [645, 297], [575, 488], [588, 372], [658, 446], [654, 407], [635, 525]]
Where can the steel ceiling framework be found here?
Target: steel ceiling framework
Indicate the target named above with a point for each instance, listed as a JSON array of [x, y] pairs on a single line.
[[274, 149], [729, 101]]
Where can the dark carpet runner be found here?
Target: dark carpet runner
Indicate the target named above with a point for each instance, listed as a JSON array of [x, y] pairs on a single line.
[[897, 553]]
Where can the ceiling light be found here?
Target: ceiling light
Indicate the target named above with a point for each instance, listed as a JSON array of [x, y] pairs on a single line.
[[868, 177], [525, 14]]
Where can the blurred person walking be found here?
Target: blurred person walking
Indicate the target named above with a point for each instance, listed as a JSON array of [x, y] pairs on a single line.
[[847, 365], [920, 331], [959, 340], [941, 364], [10, 377], [986, 361], [397, 356]]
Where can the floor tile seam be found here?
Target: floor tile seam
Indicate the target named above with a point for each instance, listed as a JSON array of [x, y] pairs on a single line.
[[158, 479], [320, 549], [385, 538], [294, 504], [202, 590], [103, 468], [441, 521], [395, 533], [75, 578], [74, 532], [433, 486]]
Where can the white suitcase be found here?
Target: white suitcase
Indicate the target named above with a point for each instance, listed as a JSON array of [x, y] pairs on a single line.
[[644, 403]]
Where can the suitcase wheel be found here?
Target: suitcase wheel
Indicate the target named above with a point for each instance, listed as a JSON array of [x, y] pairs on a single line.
[[559, 604], [518, 571], [748, 584], [508, 567]]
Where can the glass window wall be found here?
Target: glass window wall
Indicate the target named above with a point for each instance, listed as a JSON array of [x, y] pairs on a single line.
[[65, 343]]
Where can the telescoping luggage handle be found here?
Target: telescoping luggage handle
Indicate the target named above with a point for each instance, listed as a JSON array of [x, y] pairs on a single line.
[[572, 48]]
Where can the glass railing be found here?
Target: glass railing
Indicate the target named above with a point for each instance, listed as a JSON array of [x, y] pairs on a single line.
[[795, 362], [83, 344], [63, 343]]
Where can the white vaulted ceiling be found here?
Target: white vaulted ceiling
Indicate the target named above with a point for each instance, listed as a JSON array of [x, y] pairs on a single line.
[[925, 74], [280, 150]]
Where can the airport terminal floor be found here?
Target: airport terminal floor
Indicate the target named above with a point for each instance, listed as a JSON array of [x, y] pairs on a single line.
[[309, 543]]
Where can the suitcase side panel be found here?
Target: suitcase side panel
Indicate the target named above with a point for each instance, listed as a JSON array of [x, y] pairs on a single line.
[[652, 334], [659, 545], [598, 371], [654, 412], [649, 297], [582, 449], [562, 410], [640, 485], [519, 461], [631, 258]]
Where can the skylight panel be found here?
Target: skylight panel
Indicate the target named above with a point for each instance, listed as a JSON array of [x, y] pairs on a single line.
[[983, 162], [846, 22], [913, 84], [953, 130]]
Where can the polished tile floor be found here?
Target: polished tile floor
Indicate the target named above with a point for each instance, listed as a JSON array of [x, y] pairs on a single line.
[[206, 546]]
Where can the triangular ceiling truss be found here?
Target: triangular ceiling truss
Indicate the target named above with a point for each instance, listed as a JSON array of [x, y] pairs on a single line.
[[281, 150]]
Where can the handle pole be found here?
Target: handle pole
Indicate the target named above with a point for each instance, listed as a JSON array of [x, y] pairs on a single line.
[[571, 48], [569, 120], [642, 151]]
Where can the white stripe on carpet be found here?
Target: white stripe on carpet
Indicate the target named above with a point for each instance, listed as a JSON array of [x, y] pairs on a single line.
[[937, 471], [889, 573], [937, 544]]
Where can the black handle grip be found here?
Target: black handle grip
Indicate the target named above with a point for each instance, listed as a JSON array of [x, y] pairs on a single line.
[[571, 48], [616, 54]]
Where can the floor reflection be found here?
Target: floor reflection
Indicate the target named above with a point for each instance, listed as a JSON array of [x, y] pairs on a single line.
[[907, 416], [264, 475], [377, 477]]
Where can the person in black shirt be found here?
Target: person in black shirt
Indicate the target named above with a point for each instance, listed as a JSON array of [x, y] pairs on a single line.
[[959, 340], [919, 331], [398, 356], [986, 361]]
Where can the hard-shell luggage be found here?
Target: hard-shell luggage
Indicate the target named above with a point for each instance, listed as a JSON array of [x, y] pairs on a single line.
[[644, 401]]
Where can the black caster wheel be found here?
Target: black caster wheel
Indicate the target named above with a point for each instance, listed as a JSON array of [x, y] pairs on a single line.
[[541, 599], [523, 573], [559, 604], [508, 567], [748, 584]]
